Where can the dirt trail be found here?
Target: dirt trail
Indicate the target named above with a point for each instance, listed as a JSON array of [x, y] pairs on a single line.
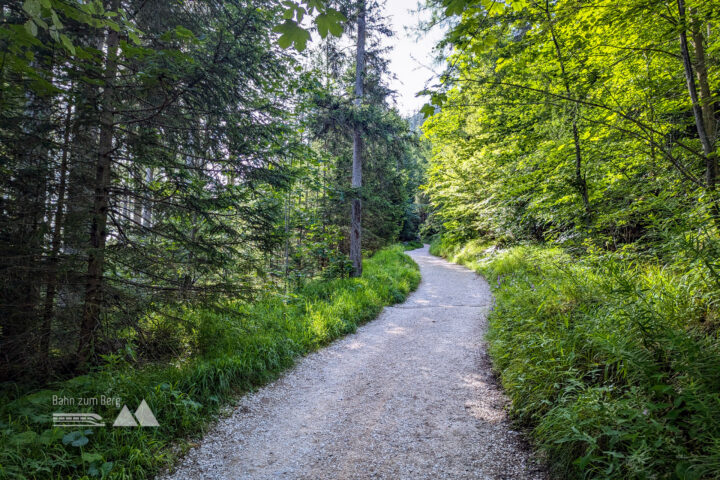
[[409, 396]]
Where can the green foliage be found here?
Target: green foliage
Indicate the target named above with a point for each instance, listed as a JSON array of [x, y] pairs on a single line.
[[573, 125], [614, 365], [161, 156], [224, 352], [392, 170], [169, 229], [201, 137], [292, 34], [327, 20]]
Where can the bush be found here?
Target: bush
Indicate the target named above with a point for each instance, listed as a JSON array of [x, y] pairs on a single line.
[[226, 352], [608, 362]]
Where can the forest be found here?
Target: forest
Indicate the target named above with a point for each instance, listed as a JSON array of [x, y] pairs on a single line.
[[575, 164], [196, 194]]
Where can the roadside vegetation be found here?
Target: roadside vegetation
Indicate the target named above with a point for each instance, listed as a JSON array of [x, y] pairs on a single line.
[[175, 211], [221, 354], [612, 365], [575, 165], [187, 190]]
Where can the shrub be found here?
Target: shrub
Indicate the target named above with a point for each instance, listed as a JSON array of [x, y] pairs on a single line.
[[607, 361]]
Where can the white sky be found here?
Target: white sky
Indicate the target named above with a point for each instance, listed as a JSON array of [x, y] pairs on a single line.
[[412, 58]]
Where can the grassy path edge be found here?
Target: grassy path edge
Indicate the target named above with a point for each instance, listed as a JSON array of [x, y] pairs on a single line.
[[612, 365], [248, 350]]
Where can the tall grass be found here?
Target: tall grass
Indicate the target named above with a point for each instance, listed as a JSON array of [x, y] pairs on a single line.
[[613, 366], [232, 351]]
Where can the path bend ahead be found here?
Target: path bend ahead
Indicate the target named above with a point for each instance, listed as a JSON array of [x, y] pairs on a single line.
[[409, 396]]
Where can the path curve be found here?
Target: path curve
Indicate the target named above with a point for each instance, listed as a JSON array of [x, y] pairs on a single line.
[[409, 396]]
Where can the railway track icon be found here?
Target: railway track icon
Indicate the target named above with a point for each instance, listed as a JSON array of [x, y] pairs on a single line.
[[143, 417], [77, 420]]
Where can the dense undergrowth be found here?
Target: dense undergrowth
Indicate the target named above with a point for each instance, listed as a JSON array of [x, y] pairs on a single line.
[[236, 353], [613, 365]]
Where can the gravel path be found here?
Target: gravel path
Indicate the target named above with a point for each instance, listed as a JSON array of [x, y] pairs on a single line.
[[409, 396]]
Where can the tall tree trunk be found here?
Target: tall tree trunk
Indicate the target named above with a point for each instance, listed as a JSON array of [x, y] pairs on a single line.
[[21, 265], [579, 178], [286, 246], [147, 207], [137, 202], [651, 118], [51, 289], [707, 104], [324, 259], [98, 229], [580, 182], [710, 157], [356, 213]]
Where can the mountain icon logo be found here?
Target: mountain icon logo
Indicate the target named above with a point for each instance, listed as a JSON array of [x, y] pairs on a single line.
[[144, 417]]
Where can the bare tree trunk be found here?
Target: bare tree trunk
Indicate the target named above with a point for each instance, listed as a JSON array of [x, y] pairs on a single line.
[[710, 157], [98, 228], [580, 182], [22, 266], [700, 112], [51, 289], [137, 202], [147, 207], [356, 214], [579, 178], [286, 247], [651, 108], [324, 259], [707, 104]]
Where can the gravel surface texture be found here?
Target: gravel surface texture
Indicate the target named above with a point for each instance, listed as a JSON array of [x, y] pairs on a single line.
[[409, 396]]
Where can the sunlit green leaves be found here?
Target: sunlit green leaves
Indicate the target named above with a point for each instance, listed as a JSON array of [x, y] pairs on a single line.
[[482, 45], [292, 34], [492, 7], [455, 7], [427, 110], [327, 20], [504, 142], [331, 21]]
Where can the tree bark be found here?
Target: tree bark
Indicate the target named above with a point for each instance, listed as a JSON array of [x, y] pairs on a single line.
[[98, 229], [137, 202], [21, 265], [710, 157], [147, 207], [707, 104], [51, 289], [580, 182], [356, 213]]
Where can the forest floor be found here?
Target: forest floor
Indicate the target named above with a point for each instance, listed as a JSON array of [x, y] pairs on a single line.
[[410, 395]]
